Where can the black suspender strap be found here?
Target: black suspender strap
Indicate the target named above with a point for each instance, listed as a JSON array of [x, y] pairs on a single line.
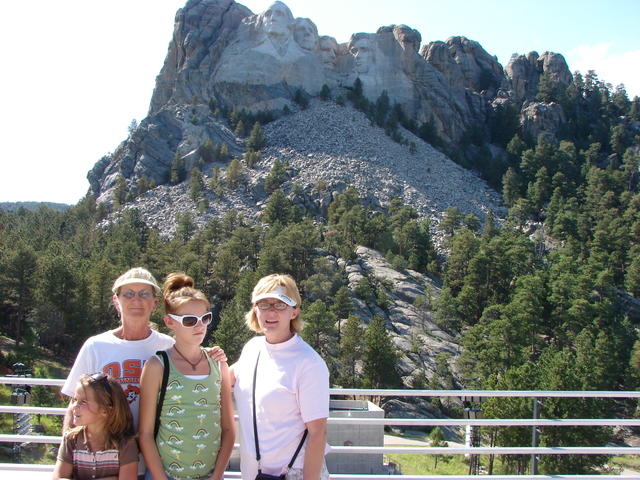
[[304, 436], [163, 389], [255, 424]]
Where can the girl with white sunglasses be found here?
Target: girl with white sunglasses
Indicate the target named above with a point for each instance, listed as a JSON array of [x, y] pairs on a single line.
[[195, 435]]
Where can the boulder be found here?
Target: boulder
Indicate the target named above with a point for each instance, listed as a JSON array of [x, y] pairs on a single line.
[[542, 118], [466, 64], [523, 73]]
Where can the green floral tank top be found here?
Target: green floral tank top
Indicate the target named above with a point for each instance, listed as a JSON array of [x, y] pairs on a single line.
[[189, 436]]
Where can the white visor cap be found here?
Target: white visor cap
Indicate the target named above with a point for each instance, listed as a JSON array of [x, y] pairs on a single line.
[[278, 293]]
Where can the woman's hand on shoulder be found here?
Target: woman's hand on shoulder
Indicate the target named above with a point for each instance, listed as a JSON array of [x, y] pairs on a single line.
[[153, 365], [216, 353]]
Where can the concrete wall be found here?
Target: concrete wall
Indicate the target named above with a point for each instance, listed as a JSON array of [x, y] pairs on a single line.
[[360, 435], [343, 435]]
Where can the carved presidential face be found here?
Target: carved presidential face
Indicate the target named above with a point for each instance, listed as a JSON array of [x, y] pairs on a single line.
[[362, 50], [328, 50], [305, 33], [276, 20]]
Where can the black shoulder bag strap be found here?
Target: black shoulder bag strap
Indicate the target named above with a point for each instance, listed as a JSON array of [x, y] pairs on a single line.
[[255, 426], [163, 389]]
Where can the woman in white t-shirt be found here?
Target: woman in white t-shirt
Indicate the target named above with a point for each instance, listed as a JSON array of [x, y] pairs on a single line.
[[291, 388]]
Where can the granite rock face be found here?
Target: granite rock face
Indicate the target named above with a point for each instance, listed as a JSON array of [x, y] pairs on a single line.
[[412, 328], [222, 54], [540, 118], [524, 72], [466, 64]]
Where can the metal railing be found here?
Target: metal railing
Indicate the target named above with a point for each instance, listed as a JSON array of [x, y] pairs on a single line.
[[535, 395]]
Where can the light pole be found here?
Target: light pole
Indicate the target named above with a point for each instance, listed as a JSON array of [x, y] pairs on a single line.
[[473, 411]]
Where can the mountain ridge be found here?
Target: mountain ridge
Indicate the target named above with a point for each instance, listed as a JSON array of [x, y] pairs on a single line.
[[32, 205], [454, 89]]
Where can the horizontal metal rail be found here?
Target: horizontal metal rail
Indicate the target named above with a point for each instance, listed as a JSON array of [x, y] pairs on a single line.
[[492, 450], [56, 382], [348, 476], [30, 409], [486, 393], [50, 439], [11, 438], [52, 382], [522, 422], [415, 422], [485, 422], [352, 476]]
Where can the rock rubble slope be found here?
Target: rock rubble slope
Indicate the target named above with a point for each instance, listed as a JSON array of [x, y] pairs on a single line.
[[339, 146]]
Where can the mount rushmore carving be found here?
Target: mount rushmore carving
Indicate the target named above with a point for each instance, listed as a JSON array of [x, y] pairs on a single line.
[[222, 52]]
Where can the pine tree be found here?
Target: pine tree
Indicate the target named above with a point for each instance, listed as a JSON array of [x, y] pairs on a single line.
[[197, 184], [380, 357], [342, 305], [451, 221], [510, 187], [257, 140], [516, 146], [350, 353], [251, 158], [437, 440], [120, 193], [142, 185], [240, 129], [177, 170], [185, 227], [301, 99], [206, 151], [276, 176], [325, 92], [278, 209], [232, 333], [18, 281], [234, 173], [224, 152], [319, 331]]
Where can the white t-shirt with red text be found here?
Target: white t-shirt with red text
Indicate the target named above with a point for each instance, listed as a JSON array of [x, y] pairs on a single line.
[[118, 358]]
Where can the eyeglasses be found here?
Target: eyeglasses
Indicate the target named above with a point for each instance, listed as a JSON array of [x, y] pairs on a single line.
[[190, 321], [277, 306], [142, 294], [102, 378]]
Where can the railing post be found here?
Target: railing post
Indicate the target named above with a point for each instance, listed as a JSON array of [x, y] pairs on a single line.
[[20, 396], [535, 436]]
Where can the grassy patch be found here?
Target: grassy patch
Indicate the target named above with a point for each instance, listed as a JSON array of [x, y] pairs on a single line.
[[631, 462], [420, 464]]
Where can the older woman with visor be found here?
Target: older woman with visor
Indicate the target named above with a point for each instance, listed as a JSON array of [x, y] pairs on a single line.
[[281, 388], [122, 352]]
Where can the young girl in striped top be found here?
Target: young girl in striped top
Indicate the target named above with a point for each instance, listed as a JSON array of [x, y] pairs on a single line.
[[102, 445]]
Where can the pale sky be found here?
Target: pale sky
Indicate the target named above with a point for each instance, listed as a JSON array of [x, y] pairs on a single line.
[[76, 72]]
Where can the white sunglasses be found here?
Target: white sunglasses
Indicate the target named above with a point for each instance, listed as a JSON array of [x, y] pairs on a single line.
[[191, 321]]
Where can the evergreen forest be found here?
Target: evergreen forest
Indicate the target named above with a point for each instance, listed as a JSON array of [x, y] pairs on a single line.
[[536, 301]]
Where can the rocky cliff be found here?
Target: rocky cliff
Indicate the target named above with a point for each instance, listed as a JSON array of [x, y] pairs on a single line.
[[222, 54]]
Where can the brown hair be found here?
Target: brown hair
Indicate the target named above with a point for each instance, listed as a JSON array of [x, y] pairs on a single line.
[[269, 284], [109, 396], [179, 289]]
